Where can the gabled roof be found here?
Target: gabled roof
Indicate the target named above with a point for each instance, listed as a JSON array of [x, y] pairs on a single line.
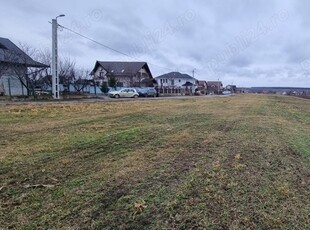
[[173, 75], [122, 68], [10, 53]]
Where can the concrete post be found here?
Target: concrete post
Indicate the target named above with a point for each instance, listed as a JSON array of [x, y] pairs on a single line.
[[55, 78]]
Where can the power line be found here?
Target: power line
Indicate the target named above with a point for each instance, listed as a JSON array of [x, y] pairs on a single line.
[[98, 43], [108, 47]]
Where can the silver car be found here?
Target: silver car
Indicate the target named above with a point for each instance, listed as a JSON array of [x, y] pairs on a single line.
[[127, 92]]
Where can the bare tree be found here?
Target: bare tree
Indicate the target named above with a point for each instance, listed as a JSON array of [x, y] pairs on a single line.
[[65, 66], [68, 73], [80, 79], [66, 70], [42, 77], [28, 71], [45, 57]]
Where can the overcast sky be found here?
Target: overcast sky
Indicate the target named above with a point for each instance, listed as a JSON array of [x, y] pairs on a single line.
[[244, 42]]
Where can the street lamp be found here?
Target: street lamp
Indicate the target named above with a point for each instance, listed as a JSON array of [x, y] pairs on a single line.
[[55, 77]]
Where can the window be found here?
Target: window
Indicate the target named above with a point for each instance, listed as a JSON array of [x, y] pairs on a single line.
[[172, 82], [101, 74], [163, 81], [180, 80]]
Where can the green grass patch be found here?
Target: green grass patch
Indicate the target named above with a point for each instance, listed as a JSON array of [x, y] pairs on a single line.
[[237, 162]]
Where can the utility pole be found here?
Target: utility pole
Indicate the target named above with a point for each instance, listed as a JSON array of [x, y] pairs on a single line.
[[194, 79], [194, 70], [55, 77]]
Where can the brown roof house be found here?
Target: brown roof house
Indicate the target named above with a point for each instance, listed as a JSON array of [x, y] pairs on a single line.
[[14, 69], [214, 87], [126, 74]]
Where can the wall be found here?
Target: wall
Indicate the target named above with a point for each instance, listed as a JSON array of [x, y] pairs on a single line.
[[97, 76], [10, 80]]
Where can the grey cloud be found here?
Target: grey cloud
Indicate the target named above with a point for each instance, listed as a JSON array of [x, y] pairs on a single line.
[[240, 61], [297, 53], [217, 33]]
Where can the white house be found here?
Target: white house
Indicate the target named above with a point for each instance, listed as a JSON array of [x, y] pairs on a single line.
[[176, 80]]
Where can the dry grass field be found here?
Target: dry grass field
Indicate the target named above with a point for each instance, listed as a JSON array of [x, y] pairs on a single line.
[[238, 162]]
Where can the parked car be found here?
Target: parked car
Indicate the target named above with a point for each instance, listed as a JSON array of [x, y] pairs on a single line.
[[226, 92], [127, 92], [148, 92]]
